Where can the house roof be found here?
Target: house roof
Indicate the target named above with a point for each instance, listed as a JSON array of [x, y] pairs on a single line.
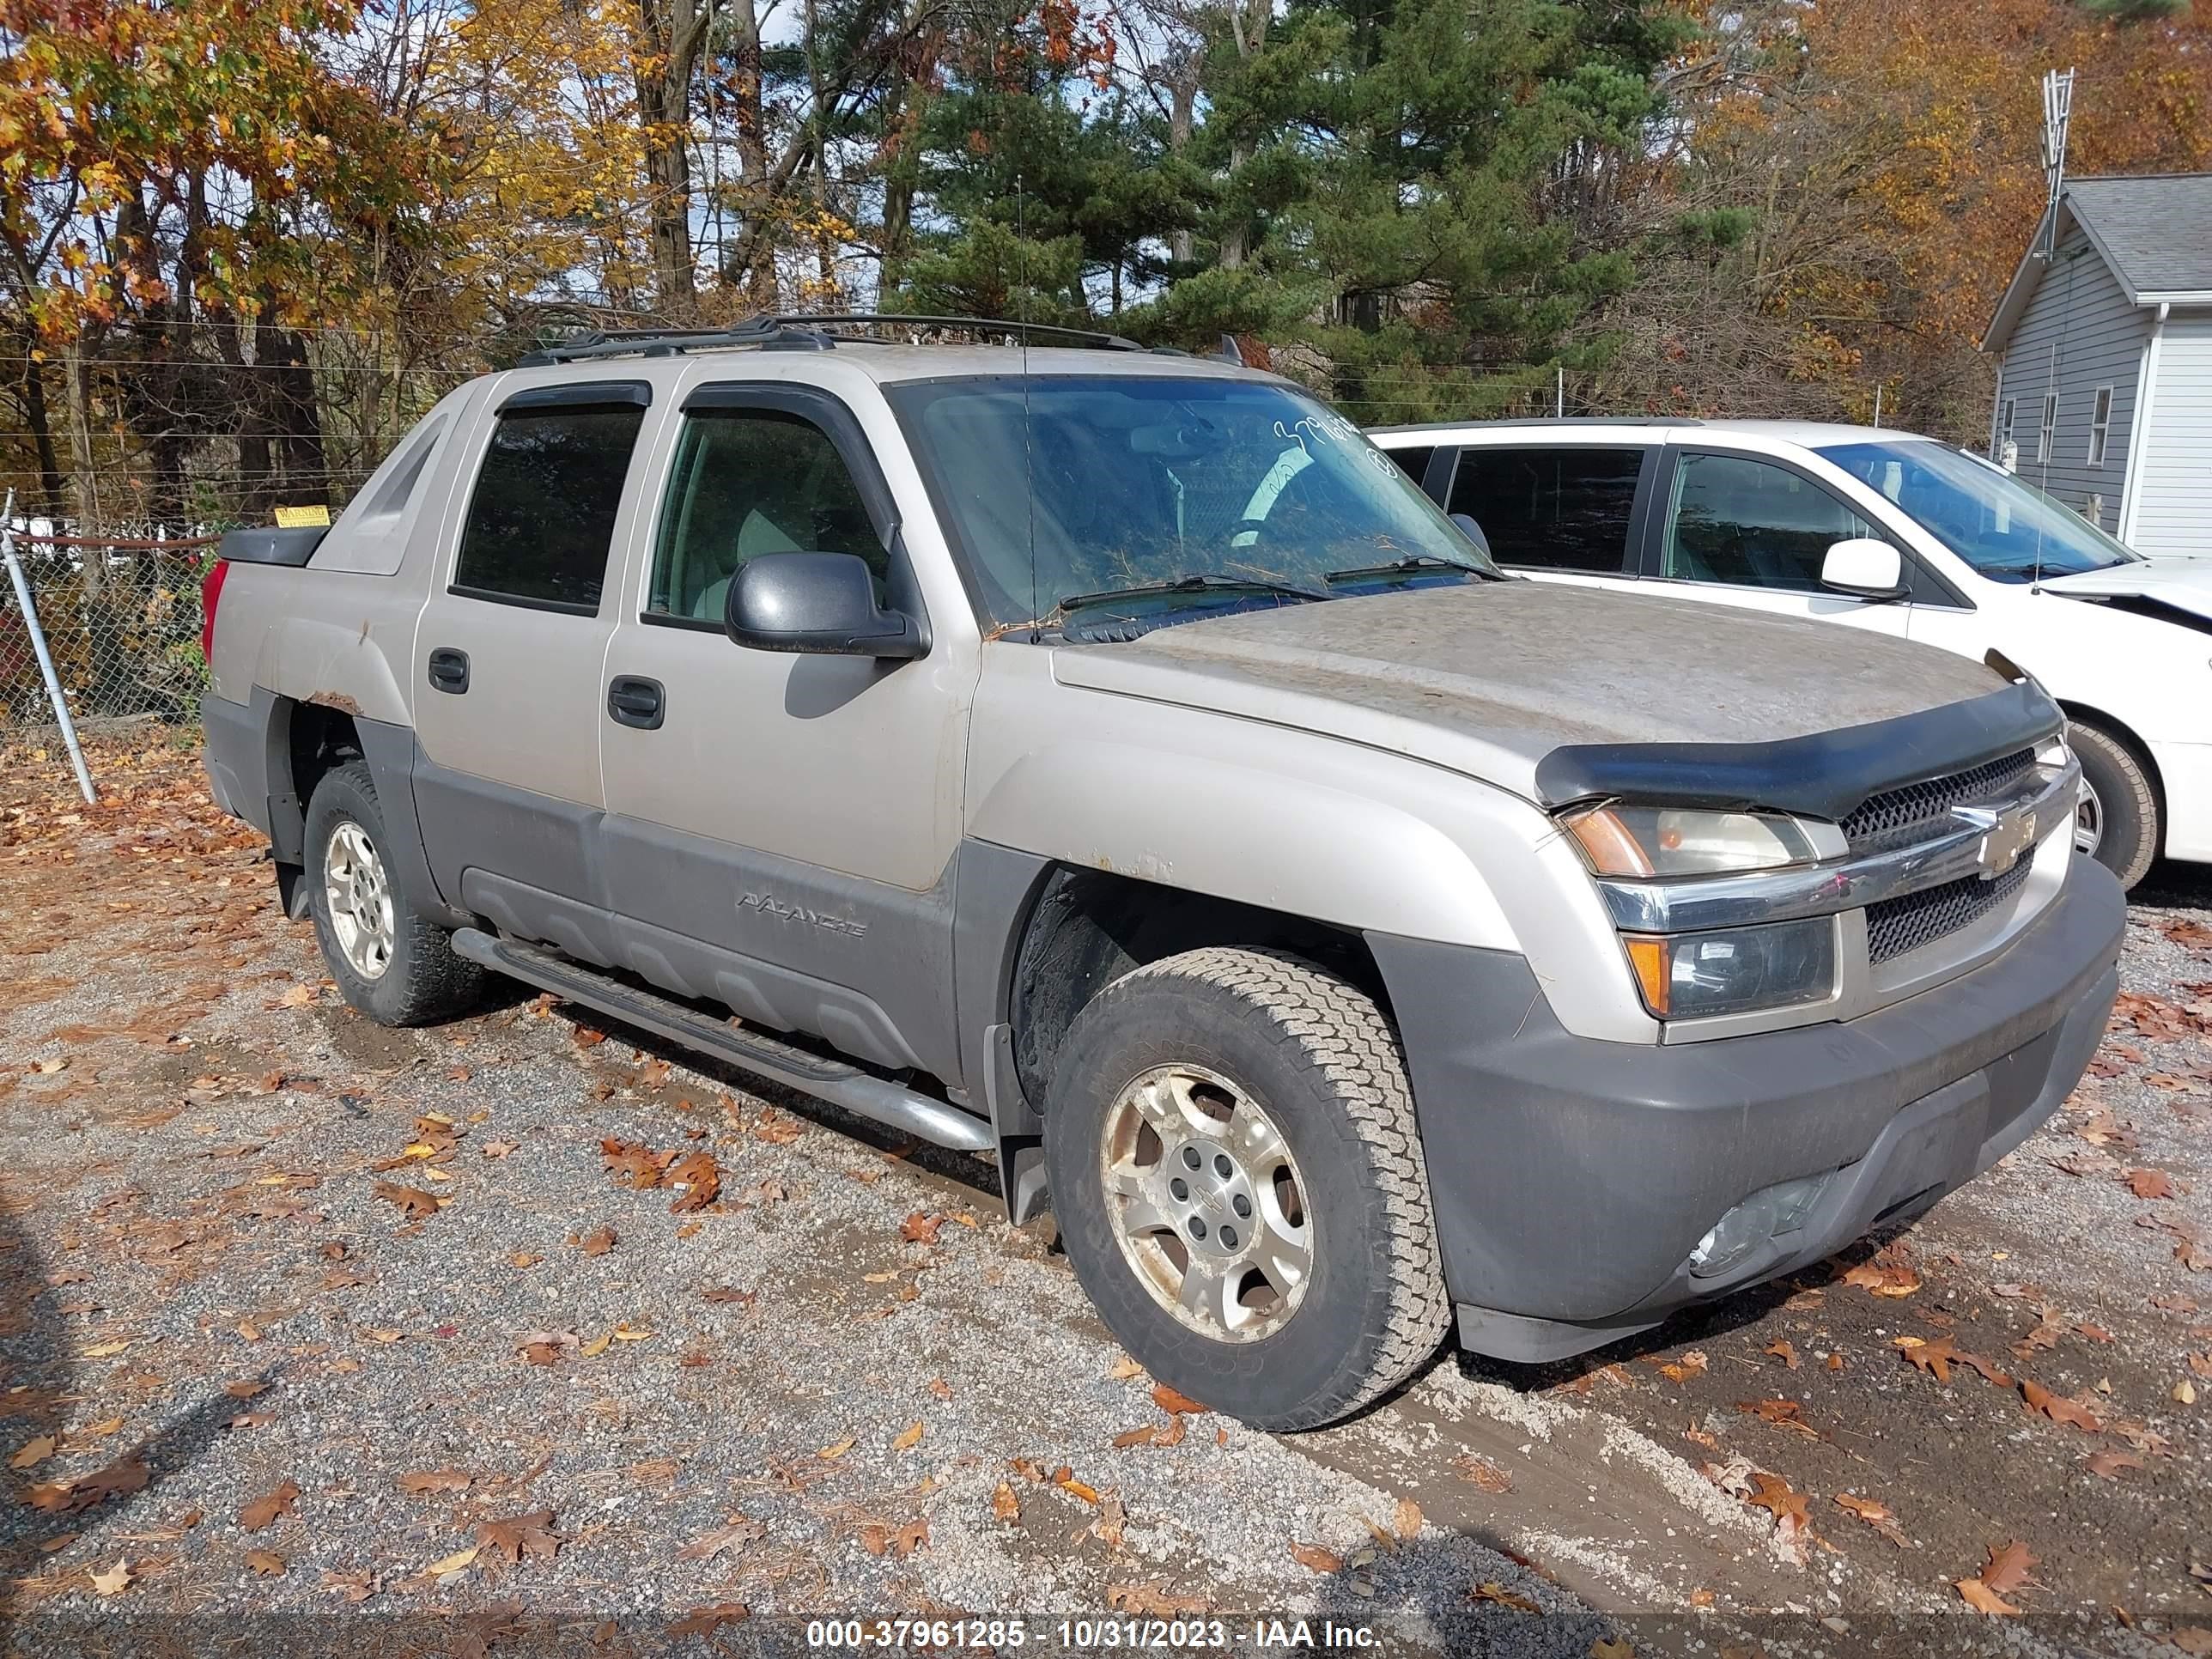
[[2153, 231]]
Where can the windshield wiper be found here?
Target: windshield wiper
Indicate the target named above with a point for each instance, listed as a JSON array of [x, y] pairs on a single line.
[[1414, 562], [1205, 581]]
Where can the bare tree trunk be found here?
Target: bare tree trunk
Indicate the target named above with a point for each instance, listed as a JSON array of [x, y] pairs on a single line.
[[40, 424], [670, 34], [756, 263], [84, 489], [286, 382], [1182, 115]]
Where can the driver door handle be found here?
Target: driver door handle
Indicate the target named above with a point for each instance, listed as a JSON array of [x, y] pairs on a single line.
[[634, 700]]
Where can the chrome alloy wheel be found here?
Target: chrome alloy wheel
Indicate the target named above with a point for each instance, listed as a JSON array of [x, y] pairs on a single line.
[[359, 897], [1206, 1203], [2088, 823]]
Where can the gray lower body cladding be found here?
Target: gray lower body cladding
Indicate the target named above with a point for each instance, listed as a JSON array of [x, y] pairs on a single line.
[[1572, 1179]]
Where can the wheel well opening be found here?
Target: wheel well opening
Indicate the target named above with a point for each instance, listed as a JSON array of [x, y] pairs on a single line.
[[2085, 715], [1090, 927], [320, 739]]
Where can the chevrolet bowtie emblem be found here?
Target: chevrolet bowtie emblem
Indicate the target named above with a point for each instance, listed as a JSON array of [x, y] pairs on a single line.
[[2007, 838]]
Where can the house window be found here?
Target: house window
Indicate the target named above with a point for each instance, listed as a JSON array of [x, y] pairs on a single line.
[[2006, 417], [2100, 425], [2047, 436]]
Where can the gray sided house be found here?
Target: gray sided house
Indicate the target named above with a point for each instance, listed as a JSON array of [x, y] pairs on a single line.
[[2105, 377]]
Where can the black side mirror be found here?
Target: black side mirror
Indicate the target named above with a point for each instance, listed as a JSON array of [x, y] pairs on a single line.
[[820, 603]]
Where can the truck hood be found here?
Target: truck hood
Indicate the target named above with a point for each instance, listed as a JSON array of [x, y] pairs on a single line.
[[2185, 585], [1489, 678]]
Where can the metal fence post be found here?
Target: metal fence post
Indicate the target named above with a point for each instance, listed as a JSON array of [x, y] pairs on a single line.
[[38, 644]]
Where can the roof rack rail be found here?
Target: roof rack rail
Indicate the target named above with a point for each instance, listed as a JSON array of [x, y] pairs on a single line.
[[797, 332]]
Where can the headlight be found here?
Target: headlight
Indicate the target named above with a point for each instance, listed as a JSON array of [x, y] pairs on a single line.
[[1669, 840], [1735, 970]]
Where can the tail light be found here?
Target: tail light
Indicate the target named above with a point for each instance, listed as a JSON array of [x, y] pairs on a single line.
[[210, 593]]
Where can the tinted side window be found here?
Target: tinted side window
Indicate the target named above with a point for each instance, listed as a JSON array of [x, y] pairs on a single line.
[[543, 516], [1554, 509], [749, 482], [1754, 525], [1413, 463]]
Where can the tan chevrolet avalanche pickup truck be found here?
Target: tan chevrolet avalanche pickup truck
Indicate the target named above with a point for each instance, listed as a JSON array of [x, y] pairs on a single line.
[[1107, 761]]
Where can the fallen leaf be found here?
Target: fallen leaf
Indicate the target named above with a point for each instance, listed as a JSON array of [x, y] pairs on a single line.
[[2107, 1465], [1004, 1504], [414, 1203], [1483, 1472], [920, 1228], [33, 1450], [1405, 1521], [357, 1586], [1490, 1591], [1877, 1514], [453, 1563], [1782, 1350], [1980, 1597], [112, 1581], [1781, 1413], [1692, 1364], [433, 1480], [245, 1388], [1894, 1280], [2057, 1408], [1147, 1602], [833, 1452], [1612, 1647], [1123, 1369], [267, 1565], [2008, 1569], [263, 1509], [597, 1242], [908, 1438], [1314, 1558], [2152, 1184], [631, 1164], [521, 1535], [739, 1530], [2184, 1393], [705, 1621], [700, 1176], [1173, 1399]]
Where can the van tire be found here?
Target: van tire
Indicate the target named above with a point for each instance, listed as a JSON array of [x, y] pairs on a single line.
[[2126, 804], [422, 980], [1321, 1061]]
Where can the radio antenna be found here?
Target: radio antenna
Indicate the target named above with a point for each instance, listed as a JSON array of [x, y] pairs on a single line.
[[1021, 322]]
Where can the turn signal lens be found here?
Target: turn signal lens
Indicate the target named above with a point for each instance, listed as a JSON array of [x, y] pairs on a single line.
[[1621, 840]]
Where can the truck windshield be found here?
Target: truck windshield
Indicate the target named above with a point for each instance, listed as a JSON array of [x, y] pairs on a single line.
[[1203, 493], [2007, 529]]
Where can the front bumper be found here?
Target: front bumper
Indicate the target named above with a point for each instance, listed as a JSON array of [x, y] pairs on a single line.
[[1571, 1178]]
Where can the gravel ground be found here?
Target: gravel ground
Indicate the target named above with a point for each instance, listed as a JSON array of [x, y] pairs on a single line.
[[322, 1337]]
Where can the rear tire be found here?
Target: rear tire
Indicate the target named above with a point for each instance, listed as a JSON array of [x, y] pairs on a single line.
[[389, 960], [1288, 1273], [2119, 825]]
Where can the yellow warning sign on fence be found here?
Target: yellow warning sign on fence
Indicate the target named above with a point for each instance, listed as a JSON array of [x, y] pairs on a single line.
[[302, 518]]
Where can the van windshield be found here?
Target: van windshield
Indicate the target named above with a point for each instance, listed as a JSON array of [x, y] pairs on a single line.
[[2006, 529], [1061, 491]]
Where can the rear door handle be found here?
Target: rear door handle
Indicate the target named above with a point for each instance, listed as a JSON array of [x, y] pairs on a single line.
[[633, 700], [449, 670]]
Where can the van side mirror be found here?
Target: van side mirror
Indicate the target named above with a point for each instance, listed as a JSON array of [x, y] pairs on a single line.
[[1865, 568], [816, 603]]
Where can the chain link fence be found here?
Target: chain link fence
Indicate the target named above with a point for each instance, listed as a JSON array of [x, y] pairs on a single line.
[[121, 615]]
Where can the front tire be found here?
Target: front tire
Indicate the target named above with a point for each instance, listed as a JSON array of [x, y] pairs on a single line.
[[2118, 822], [389, 961], [1239, 1184]]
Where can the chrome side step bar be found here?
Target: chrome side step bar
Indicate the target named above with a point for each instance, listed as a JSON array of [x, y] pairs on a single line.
[[861, 1092]]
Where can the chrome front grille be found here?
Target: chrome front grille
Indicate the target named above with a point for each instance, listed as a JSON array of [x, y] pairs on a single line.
[[1914, 811], [1898, 926]]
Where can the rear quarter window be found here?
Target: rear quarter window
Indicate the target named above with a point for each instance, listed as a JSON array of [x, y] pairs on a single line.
[[1551, 509]]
